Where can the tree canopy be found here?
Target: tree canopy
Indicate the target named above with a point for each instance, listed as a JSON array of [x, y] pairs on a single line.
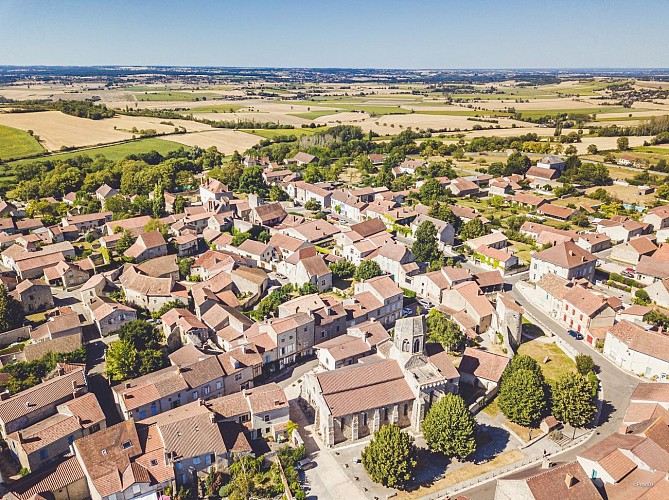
[[573, 400], [445, 331], [522, 397], [11, 311], [391, 457], [449, 427], [425, 248], [366, 270]]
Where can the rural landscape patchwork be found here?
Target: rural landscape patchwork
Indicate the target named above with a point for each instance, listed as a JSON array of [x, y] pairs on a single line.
[[290, 279]]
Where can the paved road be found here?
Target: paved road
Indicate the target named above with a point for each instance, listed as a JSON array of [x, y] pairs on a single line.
[[617, 387]]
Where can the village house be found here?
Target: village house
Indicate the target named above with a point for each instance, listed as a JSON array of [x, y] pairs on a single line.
[[86, 222], [377, 298], [637, 350], [33, 405], [303, 192], [492, 258], [33, 295], [258, 254], [467, 298], [657, 218], [148, 246], [104, 192], [482, 369], [621, 231], [433, 284], [270, 214], [631, 251], [148, 292], [110, 316], [181, 327], [283, 340], [307, 266], [358, 342], [187, 244], [593, 242], [48, 440], [328, 314], [463, 187], [315, 231], [213, 190], [301, 158], [567, 260], [65, 275], [659, 292], [583, 311]]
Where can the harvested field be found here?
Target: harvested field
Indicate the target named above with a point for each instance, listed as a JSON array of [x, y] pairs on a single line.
[[628, 194], [57, 129], [259, 117], [225, 140], [608, 143]]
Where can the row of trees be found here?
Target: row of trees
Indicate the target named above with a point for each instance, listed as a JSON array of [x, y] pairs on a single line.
[[525, 397]]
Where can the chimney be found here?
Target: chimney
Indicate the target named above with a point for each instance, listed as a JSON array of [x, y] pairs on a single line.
[[20, 436], [201, 401], [61, 371], [570, 481], [128, 385], [623, 429], [4, 395], [212, 417]]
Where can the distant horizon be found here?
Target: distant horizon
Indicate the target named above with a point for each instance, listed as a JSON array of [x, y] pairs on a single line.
[[374, 34]]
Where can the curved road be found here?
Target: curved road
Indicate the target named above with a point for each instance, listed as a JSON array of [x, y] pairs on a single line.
[[617, 388]]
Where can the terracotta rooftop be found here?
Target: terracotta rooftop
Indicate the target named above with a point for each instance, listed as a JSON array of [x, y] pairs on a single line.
[[483, 364]]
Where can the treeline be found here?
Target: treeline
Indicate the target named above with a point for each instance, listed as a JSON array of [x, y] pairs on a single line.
[[652, 126], [136, 174], [81, 109], [231, 124]]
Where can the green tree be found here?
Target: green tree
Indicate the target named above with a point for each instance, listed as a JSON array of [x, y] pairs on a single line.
[[473, 229], [524, 362], [343, 269], [308, 288], [179, 204], [121, 359], [443, 212], [581, 220], [623, 143], [522, 397], [141, 334], [251, 181], [425, 248], [240, 238], [11, 311], [592, 149], [391, 457], [156, 225], [431, 191], [385, 177], [366, 270], [449, 427], [185, 264], [277, 194], [573, 401], [445, 331], [584, 364], [641, 297], [313, 205], [158, 201], [125, 242]]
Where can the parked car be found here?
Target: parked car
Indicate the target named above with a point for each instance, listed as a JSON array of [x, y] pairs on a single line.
[[575, 334], [305, 464], [425, 304], [406, 311]]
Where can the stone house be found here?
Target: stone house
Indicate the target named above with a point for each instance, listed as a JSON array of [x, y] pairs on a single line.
[[33, 295]]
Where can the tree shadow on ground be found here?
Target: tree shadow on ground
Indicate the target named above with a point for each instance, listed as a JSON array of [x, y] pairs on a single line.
[[491, 442]]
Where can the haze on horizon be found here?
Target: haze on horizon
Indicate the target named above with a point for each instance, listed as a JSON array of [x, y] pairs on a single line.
[[345, 33]]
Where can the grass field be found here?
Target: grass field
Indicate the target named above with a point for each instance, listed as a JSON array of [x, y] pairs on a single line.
[[113, 152], [15, 143], [272, 133], [311, 115], [537, 113], [172, 95], [559, 363]]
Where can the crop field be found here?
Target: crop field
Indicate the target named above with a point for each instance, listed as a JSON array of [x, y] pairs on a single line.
[[15, 143], [272, 133], [216, 108], [113, 152], [171, 95], [312, 115], [225, 140]]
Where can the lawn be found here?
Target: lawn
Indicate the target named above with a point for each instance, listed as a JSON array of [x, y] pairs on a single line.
[[173, 95], [113, 152], [15, 143], [523, 432], [559, 363], [522, 251]]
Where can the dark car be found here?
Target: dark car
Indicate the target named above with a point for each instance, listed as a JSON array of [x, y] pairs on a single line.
[[575, 334]]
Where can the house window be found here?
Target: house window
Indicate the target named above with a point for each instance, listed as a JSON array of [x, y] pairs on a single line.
[[238, 376], [343, 423], [364, 419], [266, 418], [406, 409], [43, 454], [136, 488], [206, 390], [385, 414], [179, 465], [196, 460], [194, 395], [218, 385], [142, 414], [208, 459], [126, 444]]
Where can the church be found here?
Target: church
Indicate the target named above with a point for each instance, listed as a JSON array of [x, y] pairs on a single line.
[[396, 385]]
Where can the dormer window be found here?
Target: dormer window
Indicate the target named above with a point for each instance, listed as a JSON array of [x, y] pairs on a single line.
[[104, 451], [126, 444]]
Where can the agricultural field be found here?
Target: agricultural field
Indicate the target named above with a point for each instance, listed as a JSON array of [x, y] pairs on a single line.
[[225, 140], [15, 143], [170, 95], [272, 133]]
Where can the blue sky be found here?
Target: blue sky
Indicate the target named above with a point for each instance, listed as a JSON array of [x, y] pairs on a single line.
[[337, 33]]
